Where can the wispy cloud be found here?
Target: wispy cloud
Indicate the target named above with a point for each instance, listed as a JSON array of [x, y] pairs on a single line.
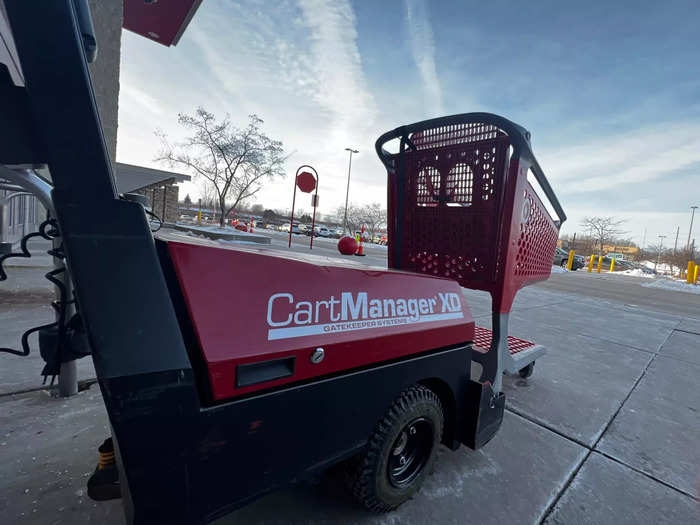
[[423, 48], [337, 66], [626, 159], [130, 94]]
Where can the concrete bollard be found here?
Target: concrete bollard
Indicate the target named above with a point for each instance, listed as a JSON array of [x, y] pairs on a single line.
[[600, 263], [570, 262], [612, 265], [590, 263]]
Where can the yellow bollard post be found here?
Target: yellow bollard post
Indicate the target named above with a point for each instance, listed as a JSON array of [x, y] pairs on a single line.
[[571, 260], [691, 271], [695, 274], [199, 217], [612, 265], [590, 263], [600, 263]]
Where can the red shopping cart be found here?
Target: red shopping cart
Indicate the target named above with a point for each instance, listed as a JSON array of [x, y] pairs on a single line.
[[460, 206]]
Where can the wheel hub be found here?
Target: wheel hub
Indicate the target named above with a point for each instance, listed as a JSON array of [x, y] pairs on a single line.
[[410, 452]]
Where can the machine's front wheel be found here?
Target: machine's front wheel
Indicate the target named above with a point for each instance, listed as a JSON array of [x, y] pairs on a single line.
[[526, 371], [400, 452]]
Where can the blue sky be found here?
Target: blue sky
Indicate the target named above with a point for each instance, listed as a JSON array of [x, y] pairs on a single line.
[[609, 90]]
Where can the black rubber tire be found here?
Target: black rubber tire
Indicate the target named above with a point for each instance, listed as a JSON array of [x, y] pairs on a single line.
[[563, 264], [369, 477], [526, 371]]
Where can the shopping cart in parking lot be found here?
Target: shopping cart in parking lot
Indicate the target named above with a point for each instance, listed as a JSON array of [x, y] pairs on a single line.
[[460, 206]]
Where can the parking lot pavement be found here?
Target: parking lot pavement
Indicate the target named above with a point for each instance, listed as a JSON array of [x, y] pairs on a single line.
[[605, 431]]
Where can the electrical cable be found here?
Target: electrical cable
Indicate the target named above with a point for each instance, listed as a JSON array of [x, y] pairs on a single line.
[[160, 221], [58, 305]]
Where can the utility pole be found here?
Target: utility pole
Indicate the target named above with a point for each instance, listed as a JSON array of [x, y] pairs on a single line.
[[675, 244], [661, 248], [644, 238], [347, 191], [690, 231]]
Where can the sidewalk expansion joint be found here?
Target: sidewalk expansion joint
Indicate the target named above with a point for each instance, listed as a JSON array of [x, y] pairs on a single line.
[[646, 474], [592, 448]]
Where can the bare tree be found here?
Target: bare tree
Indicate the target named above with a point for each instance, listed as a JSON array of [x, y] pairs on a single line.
[[374, 217], [602, 229], [354, 221], [229, 161], [678, 259]]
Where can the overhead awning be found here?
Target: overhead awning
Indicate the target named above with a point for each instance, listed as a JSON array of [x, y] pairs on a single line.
[[161, 20], [129, 177]]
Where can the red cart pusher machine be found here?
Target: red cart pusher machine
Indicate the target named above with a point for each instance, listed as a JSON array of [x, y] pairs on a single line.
[[326, 360]]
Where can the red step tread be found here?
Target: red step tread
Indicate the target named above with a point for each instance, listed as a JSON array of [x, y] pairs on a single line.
[[482, 341]]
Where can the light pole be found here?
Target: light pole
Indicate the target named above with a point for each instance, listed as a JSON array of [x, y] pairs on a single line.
[[690, 231], [347, 191]]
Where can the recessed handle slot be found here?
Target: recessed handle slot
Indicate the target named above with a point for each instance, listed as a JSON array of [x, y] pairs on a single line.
[[262, 371]]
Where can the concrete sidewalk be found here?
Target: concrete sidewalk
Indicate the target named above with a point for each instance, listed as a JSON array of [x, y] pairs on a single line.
[[605, 431]]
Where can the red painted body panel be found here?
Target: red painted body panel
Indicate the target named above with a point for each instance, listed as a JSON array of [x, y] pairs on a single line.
[[163, 22], [253, 304]]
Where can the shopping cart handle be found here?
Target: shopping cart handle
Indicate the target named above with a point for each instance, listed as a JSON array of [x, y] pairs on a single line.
[[519, 139]]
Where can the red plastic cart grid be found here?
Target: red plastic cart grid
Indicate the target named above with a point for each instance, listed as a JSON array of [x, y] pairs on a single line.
[[460, 206]]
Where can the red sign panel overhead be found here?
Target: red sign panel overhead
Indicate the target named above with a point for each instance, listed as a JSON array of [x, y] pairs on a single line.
[[161, 20]]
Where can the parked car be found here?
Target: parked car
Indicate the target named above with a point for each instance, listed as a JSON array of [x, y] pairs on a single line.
[[579, 262], [561, 258], [322, 231]]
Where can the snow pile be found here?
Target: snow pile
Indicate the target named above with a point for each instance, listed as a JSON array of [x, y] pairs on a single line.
[[636, 272], [559, 269], [660, 268], [669, 284]]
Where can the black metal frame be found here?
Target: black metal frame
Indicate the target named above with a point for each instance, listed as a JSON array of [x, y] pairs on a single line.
[[180, 460], [519, 139]]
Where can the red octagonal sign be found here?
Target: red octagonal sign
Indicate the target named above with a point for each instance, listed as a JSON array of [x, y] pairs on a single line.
[[306, 182]]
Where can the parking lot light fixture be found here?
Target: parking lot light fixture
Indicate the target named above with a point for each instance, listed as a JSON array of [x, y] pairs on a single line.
[[347, 191]]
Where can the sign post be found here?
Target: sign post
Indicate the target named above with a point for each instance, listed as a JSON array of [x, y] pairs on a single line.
[[306, 182]]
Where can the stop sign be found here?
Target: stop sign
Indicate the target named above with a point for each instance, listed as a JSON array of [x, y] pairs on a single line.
[[306, 182]]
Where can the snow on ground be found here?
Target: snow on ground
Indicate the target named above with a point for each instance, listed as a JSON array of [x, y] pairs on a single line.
[[673, 284], [636, 272], [559, 269], [660, 268]]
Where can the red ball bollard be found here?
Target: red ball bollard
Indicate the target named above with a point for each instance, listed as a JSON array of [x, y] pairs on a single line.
[[347, 245]]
